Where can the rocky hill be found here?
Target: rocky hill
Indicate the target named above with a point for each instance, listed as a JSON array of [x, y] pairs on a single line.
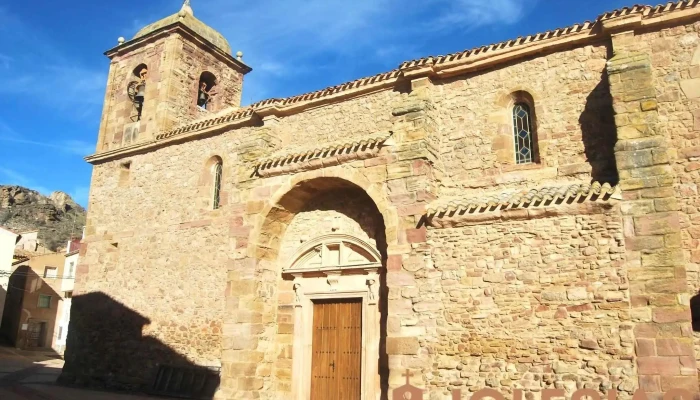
[[56, 217]]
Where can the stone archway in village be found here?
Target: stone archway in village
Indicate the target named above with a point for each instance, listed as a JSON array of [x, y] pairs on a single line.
[[326, 240]]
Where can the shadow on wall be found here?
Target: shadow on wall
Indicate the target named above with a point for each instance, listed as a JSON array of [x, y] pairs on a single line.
[[599, 132], [106, 349], [25, 324], [13, 304]]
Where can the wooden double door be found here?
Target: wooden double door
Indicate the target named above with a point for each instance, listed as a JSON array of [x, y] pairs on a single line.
[[336, 365], [36, 335]]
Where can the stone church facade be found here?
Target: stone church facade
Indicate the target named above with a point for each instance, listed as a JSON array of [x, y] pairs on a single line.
[[519, 215]]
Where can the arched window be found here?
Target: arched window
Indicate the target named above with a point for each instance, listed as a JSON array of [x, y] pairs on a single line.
[[523, 134], [137, 88], [526, 147], [207, 81], [217, 171]]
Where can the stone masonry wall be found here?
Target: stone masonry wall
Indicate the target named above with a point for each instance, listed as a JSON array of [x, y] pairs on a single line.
[[531, 304], [166, 274], [675, 70], [574, 122], [658, 278]]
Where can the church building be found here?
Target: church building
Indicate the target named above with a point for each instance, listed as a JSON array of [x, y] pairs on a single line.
[[522, 215]]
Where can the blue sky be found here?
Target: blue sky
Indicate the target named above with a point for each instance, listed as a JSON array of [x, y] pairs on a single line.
[[53, 71]]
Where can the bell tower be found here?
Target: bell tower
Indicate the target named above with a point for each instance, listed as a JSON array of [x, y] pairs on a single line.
[[172, 71]]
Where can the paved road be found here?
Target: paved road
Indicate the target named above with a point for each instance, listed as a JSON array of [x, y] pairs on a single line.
[[26, 375]]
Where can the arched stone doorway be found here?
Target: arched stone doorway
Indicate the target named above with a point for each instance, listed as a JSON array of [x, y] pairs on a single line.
[[329, 242]]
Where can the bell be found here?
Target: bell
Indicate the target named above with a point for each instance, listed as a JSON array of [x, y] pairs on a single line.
[[202, 99], [140, 92]]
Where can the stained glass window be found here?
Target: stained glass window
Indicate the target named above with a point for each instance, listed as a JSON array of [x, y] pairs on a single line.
[[522, 127], [217, 171]]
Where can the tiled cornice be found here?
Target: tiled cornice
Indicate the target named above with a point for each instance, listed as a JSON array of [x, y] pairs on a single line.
[[535, 197], [326, 155]]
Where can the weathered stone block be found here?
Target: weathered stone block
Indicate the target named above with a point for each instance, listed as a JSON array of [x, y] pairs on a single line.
[[691, 88], [674, 347], [577, 293], [402, 345], [656, 224], [663, 258], [640, 207], [638, 243], [646, 347], [659, 365], [670, 314]]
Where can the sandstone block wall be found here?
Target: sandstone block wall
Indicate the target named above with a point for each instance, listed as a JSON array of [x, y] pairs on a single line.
[[528, 304], [574, 122], [675, 67]]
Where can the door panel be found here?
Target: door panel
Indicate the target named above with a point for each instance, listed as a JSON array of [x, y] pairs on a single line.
[[35, 332], [336, 348]]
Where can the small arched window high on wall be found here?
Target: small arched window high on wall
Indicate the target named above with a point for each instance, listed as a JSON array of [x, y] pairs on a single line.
[[524, 128], [217, 172], [207, 81]]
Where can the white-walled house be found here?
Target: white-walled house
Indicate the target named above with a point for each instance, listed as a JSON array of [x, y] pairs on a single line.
[[67, 284], [8, 239]]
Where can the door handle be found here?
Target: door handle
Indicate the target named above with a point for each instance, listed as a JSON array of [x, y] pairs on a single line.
[[333, 365]]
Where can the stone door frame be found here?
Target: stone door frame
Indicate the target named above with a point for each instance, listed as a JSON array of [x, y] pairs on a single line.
[[361, 282]]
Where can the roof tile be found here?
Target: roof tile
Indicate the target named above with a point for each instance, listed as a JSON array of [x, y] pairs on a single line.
[[524, 198]]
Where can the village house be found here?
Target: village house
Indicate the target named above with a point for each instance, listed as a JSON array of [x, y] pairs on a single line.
[[67, 285], [519, 215]]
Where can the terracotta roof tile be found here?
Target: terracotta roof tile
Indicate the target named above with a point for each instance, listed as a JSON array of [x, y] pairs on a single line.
[[284, 158], [524, 198]]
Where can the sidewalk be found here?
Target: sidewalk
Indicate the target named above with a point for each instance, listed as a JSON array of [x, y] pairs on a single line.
[[28, 375]]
